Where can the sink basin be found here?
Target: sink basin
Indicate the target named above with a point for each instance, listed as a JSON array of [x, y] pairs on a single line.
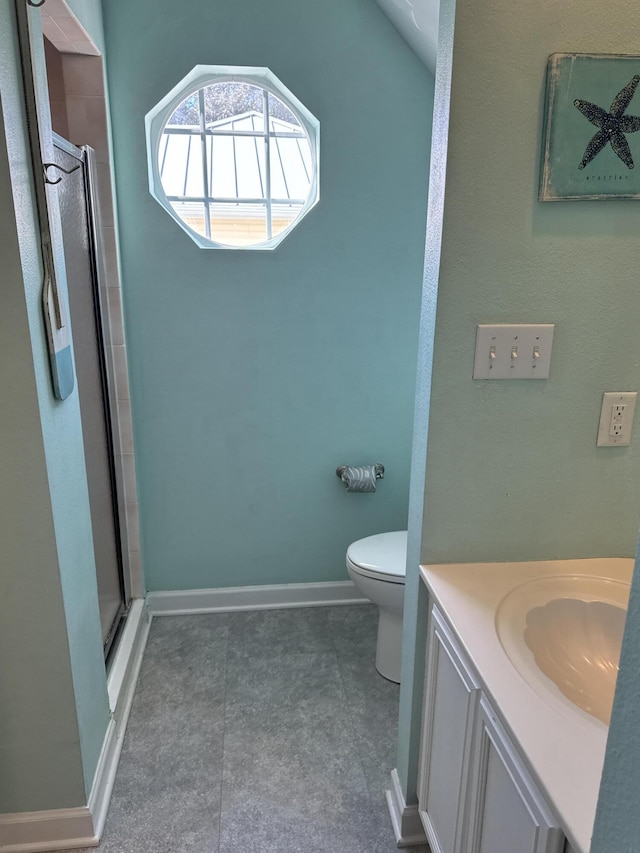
[[563, 634], [577, 645]]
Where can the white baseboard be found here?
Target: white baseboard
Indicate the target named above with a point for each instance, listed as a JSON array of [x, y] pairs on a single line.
[[224, 599], [121, 685], [54, 829], [123, 672], [64, 829], [407, 826]]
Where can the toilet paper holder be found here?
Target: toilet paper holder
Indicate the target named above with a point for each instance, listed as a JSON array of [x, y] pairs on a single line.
[[379, 470]]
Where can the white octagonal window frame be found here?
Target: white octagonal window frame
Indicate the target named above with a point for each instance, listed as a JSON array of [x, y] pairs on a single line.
[[198, 79]]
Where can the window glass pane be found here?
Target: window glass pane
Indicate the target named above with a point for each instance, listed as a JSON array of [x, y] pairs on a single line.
[[279, 187], [257, 122], [192, 214], [238, 224], [250, 167], [277, 110], [180, 163], [236, 166], [223, 101], [221, 164], [290, 176], [186, 113], [283, 128], [251, 122], [304, 148], [282, 215], [217, 146]]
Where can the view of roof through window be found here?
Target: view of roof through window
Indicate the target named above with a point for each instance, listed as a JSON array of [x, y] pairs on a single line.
[[235, 163]]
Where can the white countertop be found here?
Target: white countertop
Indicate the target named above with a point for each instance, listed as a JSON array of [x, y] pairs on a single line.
[[563, 745]]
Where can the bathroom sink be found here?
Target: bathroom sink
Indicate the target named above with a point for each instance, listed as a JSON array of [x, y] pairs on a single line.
[[577, 645], [563, 634]]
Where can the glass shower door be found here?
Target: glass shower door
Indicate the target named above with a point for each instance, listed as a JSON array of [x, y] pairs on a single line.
[[86, 323]]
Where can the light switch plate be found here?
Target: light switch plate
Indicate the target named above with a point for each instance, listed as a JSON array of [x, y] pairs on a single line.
[[520, 351], [616, 418]]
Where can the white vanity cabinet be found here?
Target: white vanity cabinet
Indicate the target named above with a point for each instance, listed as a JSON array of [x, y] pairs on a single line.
[[475, 794]]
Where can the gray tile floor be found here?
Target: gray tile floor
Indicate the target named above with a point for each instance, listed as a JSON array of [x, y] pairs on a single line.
[[259, 732]]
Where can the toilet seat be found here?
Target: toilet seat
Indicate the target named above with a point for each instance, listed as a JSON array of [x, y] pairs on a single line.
[[381, 557]]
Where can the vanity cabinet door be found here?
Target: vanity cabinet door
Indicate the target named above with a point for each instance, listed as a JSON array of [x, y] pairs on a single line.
[[507, 813], [451, 695]]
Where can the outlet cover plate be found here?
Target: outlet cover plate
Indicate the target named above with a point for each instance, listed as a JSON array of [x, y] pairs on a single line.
[[521, 351], [616, 418]]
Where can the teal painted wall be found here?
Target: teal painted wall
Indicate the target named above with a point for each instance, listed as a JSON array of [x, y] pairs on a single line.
[[253, 375], [617, 824], [39, 743], [58, 707]]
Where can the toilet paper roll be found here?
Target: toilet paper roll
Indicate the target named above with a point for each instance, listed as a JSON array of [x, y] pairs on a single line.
[[360, 478]]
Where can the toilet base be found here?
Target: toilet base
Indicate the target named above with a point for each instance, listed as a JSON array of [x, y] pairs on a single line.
[[389, 645]]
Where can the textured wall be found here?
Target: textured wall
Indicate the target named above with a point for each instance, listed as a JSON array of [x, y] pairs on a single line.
[[415, 605], [513, 472], [617, 825], [57, 706], [39, 744], [254, 375]]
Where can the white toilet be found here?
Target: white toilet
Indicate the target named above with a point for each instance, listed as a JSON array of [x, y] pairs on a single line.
[[377, 566]]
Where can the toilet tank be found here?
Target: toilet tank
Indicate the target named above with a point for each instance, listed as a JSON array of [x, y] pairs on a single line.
[[417, 22]]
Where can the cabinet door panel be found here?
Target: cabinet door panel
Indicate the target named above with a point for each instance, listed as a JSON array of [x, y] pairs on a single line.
[[450, 697], [507, 812], [507, 826]]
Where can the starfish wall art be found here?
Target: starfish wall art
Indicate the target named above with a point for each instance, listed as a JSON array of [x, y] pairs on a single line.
[[596, 90]]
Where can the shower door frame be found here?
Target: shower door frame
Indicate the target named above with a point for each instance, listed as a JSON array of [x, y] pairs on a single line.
[[87, 161]]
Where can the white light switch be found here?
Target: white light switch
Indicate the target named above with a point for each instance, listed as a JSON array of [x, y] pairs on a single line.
[[616, 418], [513, 352]]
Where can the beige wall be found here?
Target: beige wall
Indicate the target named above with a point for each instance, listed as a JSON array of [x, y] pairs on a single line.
[[512, 468], [513, 471]]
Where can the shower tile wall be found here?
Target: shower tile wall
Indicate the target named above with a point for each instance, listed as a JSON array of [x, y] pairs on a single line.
[[57, 100]]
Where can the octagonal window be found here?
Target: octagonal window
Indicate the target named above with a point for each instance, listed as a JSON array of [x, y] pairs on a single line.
[[233, 157]]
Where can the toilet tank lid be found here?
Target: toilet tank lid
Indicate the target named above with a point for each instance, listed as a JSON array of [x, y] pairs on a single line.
[[385, 553]]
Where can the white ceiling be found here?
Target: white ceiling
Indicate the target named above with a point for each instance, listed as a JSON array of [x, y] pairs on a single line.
[[417, 22]]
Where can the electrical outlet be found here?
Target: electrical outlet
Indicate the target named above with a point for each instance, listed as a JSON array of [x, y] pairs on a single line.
[[616, 419]]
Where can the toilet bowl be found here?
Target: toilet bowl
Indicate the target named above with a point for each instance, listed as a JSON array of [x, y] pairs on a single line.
[[377, 566]]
